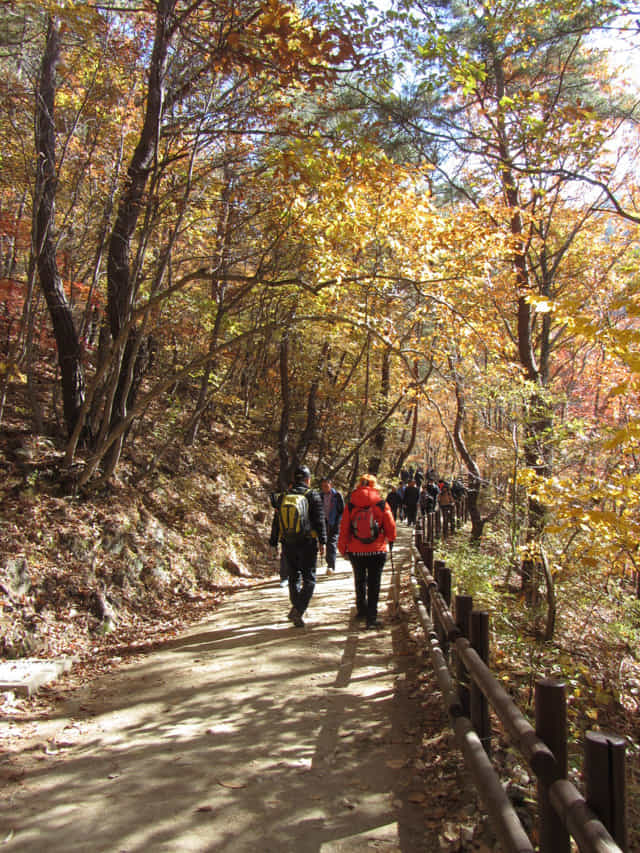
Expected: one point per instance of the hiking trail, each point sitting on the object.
(243, 734)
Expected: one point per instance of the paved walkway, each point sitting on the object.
(245, 734)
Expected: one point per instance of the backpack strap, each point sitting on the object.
(381, 504)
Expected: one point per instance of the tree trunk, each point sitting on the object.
(121, 286)
(551, 598)
(474, 478)
(539, 416)
(310, 430)
(380, 434)
(67, 342)
(404, 454)
(218, 289)
(284, 474)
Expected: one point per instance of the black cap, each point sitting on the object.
(301, 473)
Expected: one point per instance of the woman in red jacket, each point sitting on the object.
(367, 526)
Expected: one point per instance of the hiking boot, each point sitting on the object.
(297, 619)
(374, 626)
(291, 614)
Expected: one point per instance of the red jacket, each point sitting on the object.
(362, 497)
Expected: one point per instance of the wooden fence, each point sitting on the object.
(597, 821)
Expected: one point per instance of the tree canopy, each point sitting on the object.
(383, 235)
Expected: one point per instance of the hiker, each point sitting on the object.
(425, 500)
(446, 505)
(333, 504)
(410, 501)
(395, 501)
(433, 492)
(401, 490)
(274, 498)
(367, 526)
(298, 524)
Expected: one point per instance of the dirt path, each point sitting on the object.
(244, 734)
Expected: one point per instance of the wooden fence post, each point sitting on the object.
(551, 727)
(419, 534)
(605, 786)
(463, 608)
(444, 588)
(430, 540)
(444, 583)
(479, 639)
(438, 565)
(424, 594)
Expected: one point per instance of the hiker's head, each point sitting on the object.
(302, 475)
(325, 484)
(368, 480)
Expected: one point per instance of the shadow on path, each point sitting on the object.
(244, 734)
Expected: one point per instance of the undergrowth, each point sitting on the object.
(594, 650)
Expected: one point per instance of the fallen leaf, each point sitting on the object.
(231, 784)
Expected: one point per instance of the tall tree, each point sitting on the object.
(507, 104)
(44, 239)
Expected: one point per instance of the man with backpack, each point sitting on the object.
(446, 506)
(433, 491)
(394, 499)
(299, 525)
(333, 504)
(366, 528)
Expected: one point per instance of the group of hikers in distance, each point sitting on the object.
(309, 523)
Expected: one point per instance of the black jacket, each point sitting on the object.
(316, 516)
(411, 496)
(394, 500)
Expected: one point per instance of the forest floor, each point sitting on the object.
(245, 733)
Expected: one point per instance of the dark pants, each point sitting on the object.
(332, 546)
(367, 573)
(411, 510)
(284, 566)
(447, 517)
(302, 559)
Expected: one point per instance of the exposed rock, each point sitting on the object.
(155, 576)
(155, 531)
(234, 568)
(17, 576)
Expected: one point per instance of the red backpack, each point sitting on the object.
(364, 525)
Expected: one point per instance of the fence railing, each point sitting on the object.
(445, 520)
(597, 821)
